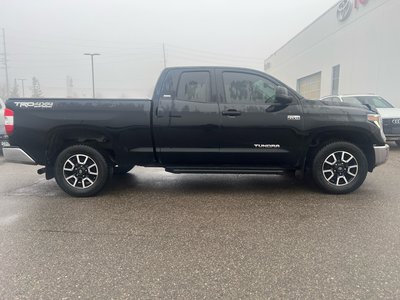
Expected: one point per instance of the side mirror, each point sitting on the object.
(371, 107)
(282, 96)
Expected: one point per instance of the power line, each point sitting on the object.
(146, 48)
(210, 60)
(44, 44)
(67, 39)
(210, 53)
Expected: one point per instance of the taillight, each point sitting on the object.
(9, 121)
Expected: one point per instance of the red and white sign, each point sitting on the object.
(357, 3)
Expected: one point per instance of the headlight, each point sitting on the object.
(376, 119)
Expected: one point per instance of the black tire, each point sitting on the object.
(81, 171)
(123, 169)
(398, 143)
(339, 168)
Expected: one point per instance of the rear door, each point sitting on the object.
(187, 118)
(255, 131)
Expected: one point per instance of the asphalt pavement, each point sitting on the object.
(152, 234)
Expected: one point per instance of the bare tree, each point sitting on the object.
(36, 91)
(3, 92)
(70, 86)
(15, 91)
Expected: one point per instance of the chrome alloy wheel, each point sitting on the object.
(80, 171)
(340, 168)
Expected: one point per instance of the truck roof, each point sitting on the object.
(213, 67)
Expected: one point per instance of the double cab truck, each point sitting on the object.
(199, 120)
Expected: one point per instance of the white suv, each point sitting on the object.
(390, 114)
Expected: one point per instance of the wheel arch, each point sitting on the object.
(361, 138)
(339, 167)
(62, 137)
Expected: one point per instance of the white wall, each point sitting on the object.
(366, 45)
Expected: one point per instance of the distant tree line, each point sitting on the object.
(36, 91)
(15, 91)
(2, 91)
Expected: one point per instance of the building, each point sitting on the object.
(353, 48)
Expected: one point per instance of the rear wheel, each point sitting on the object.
(81, 171)
(398, 143)
(339, 168)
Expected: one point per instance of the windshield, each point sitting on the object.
(374, 101)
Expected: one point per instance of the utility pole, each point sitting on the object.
(22, 84)
(91, 58)
(5, 62)
(165, 57)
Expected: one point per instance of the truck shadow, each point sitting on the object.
(195, 184)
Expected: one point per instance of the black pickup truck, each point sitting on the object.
(200, 120)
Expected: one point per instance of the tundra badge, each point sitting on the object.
(268, 146)
(293, 118)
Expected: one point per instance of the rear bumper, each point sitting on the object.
(381, 154)
(17, 155)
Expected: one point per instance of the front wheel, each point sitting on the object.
(81, 171)
(339, 168)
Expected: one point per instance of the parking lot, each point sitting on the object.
(153, 234)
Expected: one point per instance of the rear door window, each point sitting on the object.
(194, 86)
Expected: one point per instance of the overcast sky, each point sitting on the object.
(47, 39)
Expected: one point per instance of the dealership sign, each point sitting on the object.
(345, 7)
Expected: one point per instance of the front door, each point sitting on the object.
(255, 130)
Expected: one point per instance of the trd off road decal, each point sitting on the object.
(40, 104)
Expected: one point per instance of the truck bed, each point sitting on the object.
(124, 121)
